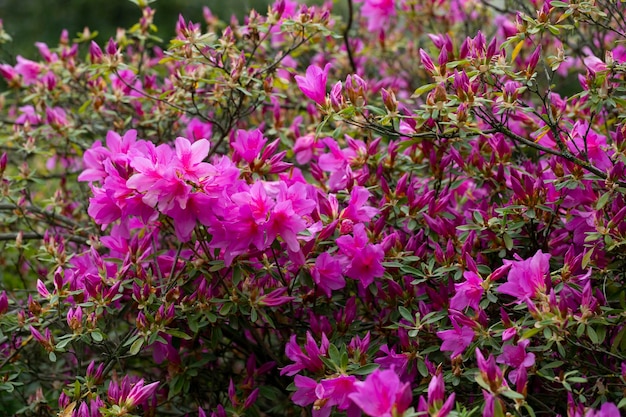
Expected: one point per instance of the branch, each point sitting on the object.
(346, 38)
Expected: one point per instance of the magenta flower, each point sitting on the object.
(140, 393)
(435, 405)
(197, 129)
(29, 70)
(468, 293)
(516, 357)
(313, 85)
(457, 339)
(327, 273)
(490, 373)
(526, 277)
(248, 145)
(378, 13)
(382, 394)
(310, 360)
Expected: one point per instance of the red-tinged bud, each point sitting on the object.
(499, 273)
(95, 53)
(317, 173)
(42, 290)
(75, 319)
(427, 62)
(113, 291)
(372, 147)
(140, 393)
(4, 303)
(617, 219)
(328, 230)
(346, 226)
(389, 100)
(389, 242)
(141, 322)
(464, 49)
(112, 48)
(443, 60)
(336, 96)
(64, 39)
(64, 400)
(50, 81)
(279, 9)
(232, 393)
(270, 150)
(491, 49)
(181, 26)
(251, 398)
(356, 88)
(208, 16)
(532, 61)
(4, 159)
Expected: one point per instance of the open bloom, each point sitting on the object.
(456, 339)
(526, 277)
(516, 357)
(382, 394)
(313, 85)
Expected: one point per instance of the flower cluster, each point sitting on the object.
(402, 214)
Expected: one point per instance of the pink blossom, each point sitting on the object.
(248, 144)
(468, 293)
(197, 129)
(382, 394)
(516, 357)
(526, 277)
(327, 273)
(435, 405)
(457, 339)
(309, 360)
(313, 85)
(378, 13)
(29, 70)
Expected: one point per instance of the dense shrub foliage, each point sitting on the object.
(415, 211)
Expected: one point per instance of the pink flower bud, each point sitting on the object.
(95, 53)
(112, 48)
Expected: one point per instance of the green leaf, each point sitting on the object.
(604, 198)
(593, 336)
(423, 89)
(178, 333)
(406, 314)
(365, 369)
(52, 356)
(96, 336)
(136, 346)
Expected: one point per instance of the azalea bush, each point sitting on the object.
(414, 210)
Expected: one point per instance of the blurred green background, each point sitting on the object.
(29, 21)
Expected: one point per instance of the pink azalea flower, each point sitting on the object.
(313, 85)
(526, 277)
(197, 129)
(457, 339)
(29, 70)
(310, 360)
(516, 357)
(382, 394)
(248, 145)
(327, 273)
(468, 293)
(357, 209)
(367, 264)
(435, 405)
(378, 13)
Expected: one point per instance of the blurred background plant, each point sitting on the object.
(33, 21)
